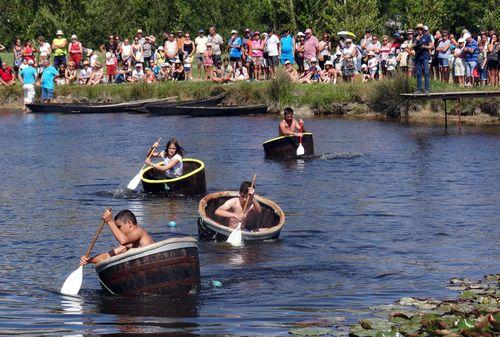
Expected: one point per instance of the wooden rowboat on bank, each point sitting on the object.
(170, 267)
(192, 182)
(285, 147)
(267, 225)
(178, 108)
(74, 108)
(225, 111)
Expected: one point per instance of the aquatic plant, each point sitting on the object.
(280, 88)
(385, 95)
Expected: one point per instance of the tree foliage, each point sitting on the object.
(93, 20)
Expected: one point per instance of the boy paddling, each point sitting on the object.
(233, 208)
(126, 231)
(289, 126)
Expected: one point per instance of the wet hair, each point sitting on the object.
(126, 215)
(244, 187)
(288, 110)
(175, 142)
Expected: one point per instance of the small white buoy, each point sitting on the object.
(216, 284)
(172, 224)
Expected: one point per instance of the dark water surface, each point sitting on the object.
(391, 211)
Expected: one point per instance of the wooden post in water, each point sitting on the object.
(445, 115)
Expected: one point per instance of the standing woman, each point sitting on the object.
(137, 51)
(257, 54)
(299, 51)
(188, 48)
(18, 55)
(443, 53)
(43, 46)
(75, 51)
(324, 48)
(385, 50)
(28, 51)
(126, 53)
(349, 54)
(172, 159)
(492, 63)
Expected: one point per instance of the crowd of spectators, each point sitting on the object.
(466, 60)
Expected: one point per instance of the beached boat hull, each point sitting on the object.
(93, 108)
(267, 225)
(226, 111)
(193, 181)
(178, 108)
(285, 147)
(170, 267)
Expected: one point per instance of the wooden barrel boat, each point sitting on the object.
(170, 267)
(192, 182)
(177, 108)
(285, 147)
(227, 110)
(70, 108)
(266, 225)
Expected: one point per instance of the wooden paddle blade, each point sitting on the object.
(132, 185)
(73, 283)
(300, 150)
(234, 238)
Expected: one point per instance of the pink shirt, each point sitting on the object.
(257, 52)
(310, 47)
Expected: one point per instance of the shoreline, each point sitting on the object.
(378, 100)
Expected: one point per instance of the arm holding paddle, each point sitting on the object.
(163, 168)
(287, 130)
(132, 185)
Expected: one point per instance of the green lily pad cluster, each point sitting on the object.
(475, 313)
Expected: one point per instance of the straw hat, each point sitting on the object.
(97, 64)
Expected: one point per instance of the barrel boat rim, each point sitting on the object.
(166, 181)
(135, 253)
(226, 230)
(283, 137)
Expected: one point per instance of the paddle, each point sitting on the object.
(73, 282)
(300, 149)
(132, 185)
(235, 237)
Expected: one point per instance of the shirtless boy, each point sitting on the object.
(233, 208)
(289, 126)
(127, 233)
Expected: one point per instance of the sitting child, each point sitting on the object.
(172, 159)
(233, 208)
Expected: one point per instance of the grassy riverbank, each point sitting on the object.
(359, 100)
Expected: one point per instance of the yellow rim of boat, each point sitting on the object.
(280, 137)
(165, 181)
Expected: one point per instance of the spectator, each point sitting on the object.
(61, 80)
(180, 41)
(385, 51)
(459, 63)
(28, 51)
(92, 56)
(137, 51)
(481, 63)
(75, 50)
(43, 46)
(215, 40)
(138, 74)
(178, 71)
(165, 72)
(311, 46)
(140, 37)
(329, 75)
(150, 76)
(366, 42)
(160, 56)
(49, 74)
(324, 50)
(188, 50)
(28, 77)
(257, 54)
(110, 46)
(405, 61)
(235, 46)
(273, 45)
(171, 48)
(349, 54)
(126, 53)
(247, 37)
(372, 65)
(7, 77)
(70, 73)
(96, 75)
(287, 47)
(200, 42)
(187, 68)
(84, 74)
(111, 66)
(148, 49)
(493, 57)
(471, 51)
(423, 45)
(443, 53)
(59, 47)
(17, 50)
(299, 51)
(208, 62)
(240, 73)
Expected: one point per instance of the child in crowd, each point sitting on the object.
(111, 66)
(187, 69)
(391, 64)
(84, 75)
(137, 74)
(178, 71)
(70, 73)
(365, 74)
(372, 65)
(208, 62)
(150, 76)
(97, 74)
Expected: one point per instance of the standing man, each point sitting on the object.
(59, 47)
(27, 77)
(423, 45)
(49, 74)
(235, 46)
(200, 42)
(180, 45)
(365, 43)
(273, 46)
(471, 51)
(215, 40)
(287, 47)
(311, 47)
(140, 36)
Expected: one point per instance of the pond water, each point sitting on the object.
(390, 210)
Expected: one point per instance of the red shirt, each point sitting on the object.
(6, 74)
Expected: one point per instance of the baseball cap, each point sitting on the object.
(234, 32)
(59, 32)
(466, 36)
(426, 28)
(201, 31)
(410, 31)
(461, 40)
(139, 31)
(73, 36)
(329, 63)
(301, 34)
(287, 62)
(160, 48)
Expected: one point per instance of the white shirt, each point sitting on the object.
(170, 48)
(272, 45)
(201, 44)
(45, 47)
(175, 171)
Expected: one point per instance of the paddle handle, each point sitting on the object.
(152, 149)
(301, 131)
(246, 201)
(94, 239)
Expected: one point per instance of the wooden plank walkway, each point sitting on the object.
(446, 96)
(453, 95)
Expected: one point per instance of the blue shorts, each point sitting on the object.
(47, 93)
(443, 62)
(287, 56)
(469, 68)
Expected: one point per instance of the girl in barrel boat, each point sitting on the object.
(172, 159)
(289, 126)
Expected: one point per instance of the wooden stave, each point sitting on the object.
(286, 147)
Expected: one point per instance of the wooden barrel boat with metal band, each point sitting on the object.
(285, 147)
(192, 182)
(170, 267)
(266, 225)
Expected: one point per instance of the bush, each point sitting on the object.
(385, 95)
